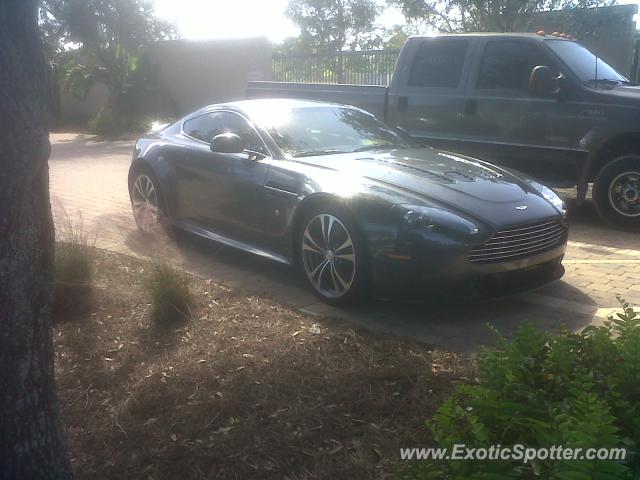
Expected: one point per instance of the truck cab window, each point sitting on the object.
(507, 65)
(439, 63)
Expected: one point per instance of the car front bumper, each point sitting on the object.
(430, 273)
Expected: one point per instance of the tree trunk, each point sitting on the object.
(31, 440)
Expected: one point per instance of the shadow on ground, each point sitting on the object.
(72, 149)
(455, 325)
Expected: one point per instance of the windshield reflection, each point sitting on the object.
(310, 131)
(583, 63)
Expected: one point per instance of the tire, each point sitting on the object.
(338, 273)
(147, 202)
(616, 192)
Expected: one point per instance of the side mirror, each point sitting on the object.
(542, 82)
(227, 143)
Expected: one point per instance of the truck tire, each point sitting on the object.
(616, 192)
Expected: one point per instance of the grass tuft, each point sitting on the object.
(170, 294)
(73, 268)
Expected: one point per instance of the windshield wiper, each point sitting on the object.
(379, 146)
(313, 153)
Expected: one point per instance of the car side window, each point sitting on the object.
(439, 63)
(206, 127)
(507, 65)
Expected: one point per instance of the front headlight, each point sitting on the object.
(435, 219)
(549, 195)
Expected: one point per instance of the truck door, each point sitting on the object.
(427, 93)
(503, 124)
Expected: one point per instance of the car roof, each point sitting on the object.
(252, 105)
(287, 102)
(532, 36)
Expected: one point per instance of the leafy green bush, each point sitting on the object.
(170, 294)
(105, 123)
(540, 390)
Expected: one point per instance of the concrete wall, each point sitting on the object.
(192, 74)
(74, 110)
(609, 32)
(189, 74)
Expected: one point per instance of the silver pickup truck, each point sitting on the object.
(540, 104)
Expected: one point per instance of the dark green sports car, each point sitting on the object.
(359, 206)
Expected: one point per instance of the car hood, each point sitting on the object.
(460, 182)
(628, 95)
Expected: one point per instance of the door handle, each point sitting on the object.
(403, 104)
(470, 107)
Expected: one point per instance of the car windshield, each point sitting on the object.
(583, 63)
(324, 130)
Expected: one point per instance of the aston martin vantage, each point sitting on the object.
(358, 206)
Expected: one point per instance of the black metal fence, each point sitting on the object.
(373, 67)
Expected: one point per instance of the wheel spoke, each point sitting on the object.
(350, 257)
(312, 246)
(332, 220)
(139, 189)
(321, 267)
(323, 231)
(336, 276)
(150, 189)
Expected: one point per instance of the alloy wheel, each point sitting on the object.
(144, 199)
(328, 256)
(624, 194)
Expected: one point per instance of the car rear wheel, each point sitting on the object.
(333, 256)
(146, 201)
(616, 192)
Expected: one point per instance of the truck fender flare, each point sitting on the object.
(593, 142)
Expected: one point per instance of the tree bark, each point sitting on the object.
(31, 440)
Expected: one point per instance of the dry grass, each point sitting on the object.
(73, 269)
(170, 293)
(247, 389)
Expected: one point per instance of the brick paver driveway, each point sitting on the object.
(89, 178)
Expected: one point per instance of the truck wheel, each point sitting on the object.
(616, 192)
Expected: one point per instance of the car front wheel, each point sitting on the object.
(333, 256)
(616, 192)
(146, 201)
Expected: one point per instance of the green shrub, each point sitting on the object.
(170, 294)
(540, 390)
(105, 123)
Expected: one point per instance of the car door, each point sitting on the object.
(504, 124)
(222, 192)
(427, 97)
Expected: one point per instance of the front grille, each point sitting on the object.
(521, 241)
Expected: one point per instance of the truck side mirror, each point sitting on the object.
(227, 143)
(542, 82)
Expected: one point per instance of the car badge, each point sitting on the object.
(521, 207)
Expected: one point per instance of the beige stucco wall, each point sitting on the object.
(196, 73)
(190, 74)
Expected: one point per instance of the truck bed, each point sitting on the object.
(371, 98)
